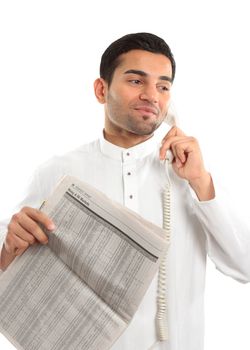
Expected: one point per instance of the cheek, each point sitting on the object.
(124, 95)
(164, 104)
(115, 97)
(115, 104)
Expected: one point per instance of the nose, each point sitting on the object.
(149, 94)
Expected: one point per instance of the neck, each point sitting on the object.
(125, 140)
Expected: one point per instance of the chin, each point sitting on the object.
(145, 131)
(142, 132)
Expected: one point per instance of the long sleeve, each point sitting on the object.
(227, 236)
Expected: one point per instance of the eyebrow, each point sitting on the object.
(144, 74)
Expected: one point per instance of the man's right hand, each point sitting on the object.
(24, 230)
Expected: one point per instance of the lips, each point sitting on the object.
(147, 109)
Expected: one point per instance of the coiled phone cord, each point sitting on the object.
(161, 313)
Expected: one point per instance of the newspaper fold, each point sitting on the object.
(82, 289)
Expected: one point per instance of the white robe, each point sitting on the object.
(136, 178)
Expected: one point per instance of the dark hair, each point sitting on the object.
(137, 41)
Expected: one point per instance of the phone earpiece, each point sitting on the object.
(171, 120)
(171, 117)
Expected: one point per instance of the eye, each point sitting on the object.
(164, 88)
(135, 81)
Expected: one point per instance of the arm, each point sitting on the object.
(227, 235)
(228, 239)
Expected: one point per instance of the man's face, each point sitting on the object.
(138, 97)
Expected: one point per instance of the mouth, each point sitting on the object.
(145, 110)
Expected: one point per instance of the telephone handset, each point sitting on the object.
(171, 120)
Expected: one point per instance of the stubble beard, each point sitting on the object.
(127, 121)
(141, 127)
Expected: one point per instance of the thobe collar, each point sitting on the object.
(122, 154)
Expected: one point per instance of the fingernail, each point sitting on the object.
(51, 227)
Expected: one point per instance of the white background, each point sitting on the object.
(49, 58)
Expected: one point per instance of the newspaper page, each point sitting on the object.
(82, 289)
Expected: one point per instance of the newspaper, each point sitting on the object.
(82, 289)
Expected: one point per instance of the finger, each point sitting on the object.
(16, 229)
(167, 144)
(33, 228)
(173, 134)
(20, 251)
(174, 131)
(14, 245)
(180, 149)
(39, 217)
(186, 146)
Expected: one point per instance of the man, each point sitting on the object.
(136, 76)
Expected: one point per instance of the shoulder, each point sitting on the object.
(61, 162)
(84, 151)
(70, 163)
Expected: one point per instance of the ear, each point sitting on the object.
(100, 88)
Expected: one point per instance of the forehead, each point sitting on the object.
(153, 64)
